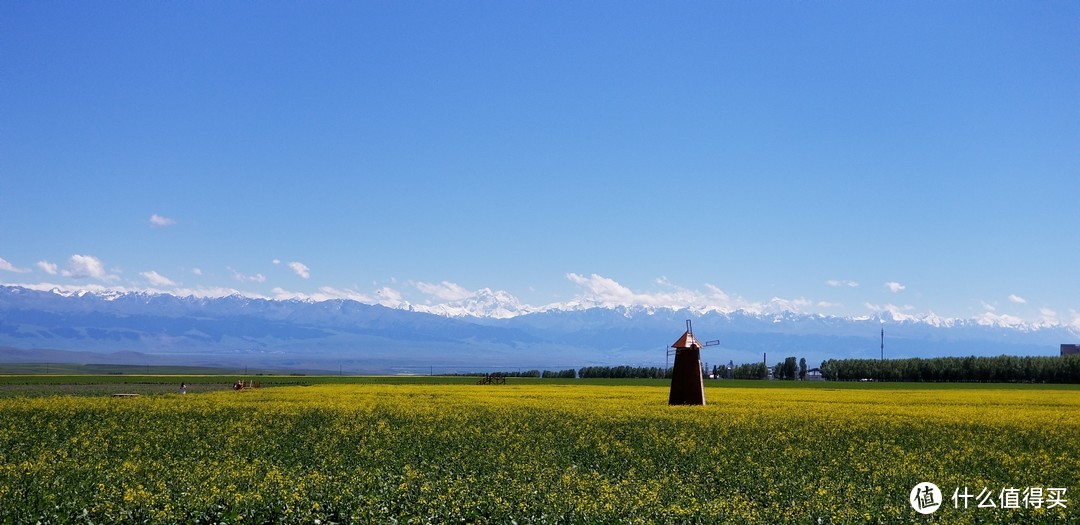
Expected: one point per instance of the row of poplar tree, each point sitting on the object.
(1000, 369)
(789, 368)
(624, 372)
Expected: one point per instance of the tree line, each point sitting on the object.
(515, 373)
(624, 372)
(750, 371)
(1001, 369)
(789, 369)
(588, 372)
(569, 373)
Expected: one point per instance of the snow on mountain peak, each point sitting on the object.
(481, 303)
(485, 303)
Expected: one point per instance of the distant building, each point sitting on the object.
(1070, 350)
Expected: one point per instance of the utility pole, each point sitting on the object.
(883, 340)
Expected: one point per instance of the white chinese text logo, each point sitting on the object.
(925, 498)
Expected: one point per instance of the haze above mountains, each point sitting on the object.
(485, 331)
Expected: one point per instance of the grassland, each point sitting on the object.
(441, 450)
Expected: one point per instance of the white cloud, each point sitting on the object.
(300, 268)
(837, 283)
(598, 290)
(1048, 317)
(196, 271)
(84, 266)
(894, 286)
(257, 278)
(390, 297)
(717, 294)
(156, 279)
(48, 267)
(988, 307)
(160, 221)
(4, 265)
(1017, 299)
(663, 281)
(446, 291)
(790, 305)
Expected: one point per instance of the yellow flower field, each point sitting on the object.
(548, 453)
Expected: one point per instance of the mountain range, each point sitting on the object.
(487, 331)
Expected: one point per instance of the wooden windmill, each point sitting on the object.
(687, 384)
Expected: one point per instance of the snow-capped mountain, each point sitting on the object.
(484, 303)
(486, 329)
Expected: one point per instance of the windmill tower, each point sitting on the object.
(687, 384)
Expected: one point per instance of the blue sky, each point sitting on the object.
(835, 157)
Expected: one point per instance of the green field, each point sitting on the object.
(83, 384)
(441, 450)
